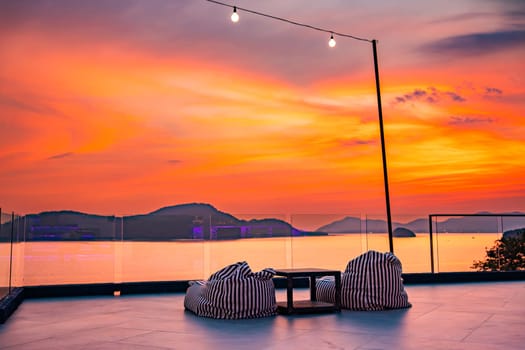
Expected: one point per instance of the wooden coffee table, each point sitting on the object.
(312, 305)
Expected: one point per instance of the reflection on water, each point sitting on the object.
(43, 263)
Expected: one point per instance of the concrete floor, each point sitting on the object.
(446, 316)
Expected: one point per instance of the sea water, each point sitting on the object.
(48, 263)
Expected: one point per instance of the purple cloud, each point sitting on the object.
(455, 96)
(429, 95)
(477, 43)
(462, 120)
(356, 142)
(419, 93)
(61, 155)
(493, 91)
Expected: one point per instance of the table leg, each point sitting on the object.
(338, 291)
(289, 294)
(313, 293)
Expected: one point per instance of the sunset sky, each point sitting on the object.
(125, 106)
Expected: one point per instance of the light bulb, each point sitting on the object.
(331, 42)
(235, 15)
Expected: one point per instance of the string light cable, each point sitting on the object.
(331, 42)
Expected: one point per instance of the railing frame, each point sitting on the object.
(441, 215)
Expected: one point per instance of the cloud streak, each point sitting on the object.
(61, 156)
(492, 91)
(477, 43)
(429, 95)
(357, 142)
(464, 120)
(21, 105)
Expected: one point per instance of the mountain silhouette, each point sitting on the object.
(202, 221)
(461, 224)
(193, 221)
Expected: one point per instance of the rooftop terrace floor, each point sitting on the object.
(489, 315)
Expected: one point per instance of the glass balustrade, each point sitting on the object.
(461, 242)
(11, 254)
(69, 248)
(75, 248)
(5, 252)
(160, 247)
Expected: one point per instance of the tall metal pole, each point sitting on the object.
(383, 150)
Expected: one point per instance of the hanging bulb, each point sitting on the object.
(235, 15)
(331, 42)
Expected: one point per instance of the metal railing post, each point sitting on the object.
(431, 243)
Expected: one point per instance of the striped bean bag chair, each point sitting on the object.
(371, 281)
(233, 292)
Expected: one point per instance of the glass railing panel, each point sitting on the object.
(456, 252)
(262, 240)
(73, 248)
(376, 233)
(411, 241)
(5, 252)
(329, 240)
(161, 247)
(462, 241)
(347, 236)
(511, 223)
(17, 252)
(68, 248)
(10, 250)
(413, 252)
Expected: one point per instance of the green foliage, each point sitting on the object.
(508, 254)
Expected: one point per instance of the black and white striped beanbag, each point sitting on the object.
(371, 281)
(233, 292)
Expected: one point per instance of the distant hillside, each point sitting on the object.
(193, 209)
(356, 225)
(196, 221)
(352, 224)
(201, 221)
(465, 224)
(70, 225)
(517, 233)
